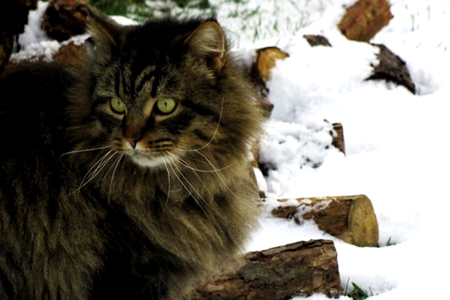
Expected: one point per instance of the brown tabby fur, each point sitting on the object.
(84, 214)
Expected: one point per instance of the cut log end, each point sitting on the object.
(349, 218)
(365, 19)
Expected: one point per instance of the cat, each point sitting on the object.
(127, 177)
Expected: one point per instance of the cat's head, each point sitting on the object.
(164, 92)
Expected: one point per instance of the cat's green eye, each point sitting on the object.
(166, 105)
(117, 105)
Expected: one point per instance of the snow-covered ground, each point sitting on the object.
(397, 149)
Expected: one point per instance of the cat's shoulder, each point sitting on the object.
(35, 73)
(31, 82)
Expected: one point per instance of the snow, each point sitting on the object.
(397, 149)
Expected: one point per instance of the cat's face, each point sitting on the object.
(159, 122)
(161, 101)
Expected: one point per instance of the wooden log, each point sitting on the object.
(266, 59)
(317, 40)
(298, 269)
(69, 54)
(13, 18)
(364, 19)
(349, 218)
(392, 69)
(260, 74)
(338, 139)
(65, 18)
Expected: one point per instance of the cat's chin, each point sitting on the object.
(149, 162)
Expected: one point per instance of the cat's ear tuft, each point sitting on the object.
(105, 35)
(208, 41)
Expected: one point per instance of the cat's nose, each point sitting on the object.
(132, 142)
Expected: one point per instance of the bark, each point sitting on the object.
(69, 54)
(298, 269)
(317, 40)
(260, 74)
(338, 139)
(350, 218)
(365, 19)
(392, 68)
(66, 18)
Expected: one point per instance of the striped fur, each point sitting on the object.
(98, 202)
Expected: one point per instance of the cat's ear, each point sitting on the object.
(208, 42)
(105, 35)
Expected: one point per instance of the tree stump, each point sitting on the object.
(298, 269)
(364, 19)
(349, 218)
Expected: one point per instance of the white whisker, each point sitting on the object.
(84, 150)
(95, 169)
(218, 174)
(116, 164)
(168, 182)
(215, 131)
(200, 205)
(185, 164)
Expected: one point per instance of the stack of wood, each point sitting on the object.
(298, 269)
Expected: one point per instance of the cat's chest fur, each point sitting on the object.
(130, 176)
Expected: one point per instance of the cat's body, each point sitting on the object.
(135, 185)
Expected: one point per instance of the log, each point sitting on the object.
(69, 54)
(13, 18)
(317, 40)
(64, 19)
(363, 20)
(266, 59)
(260, 74)
(349, 218)
(338, 138)
(298, 269)
(392, 69)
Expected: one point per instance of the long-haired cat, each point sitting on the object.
(126, 178)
